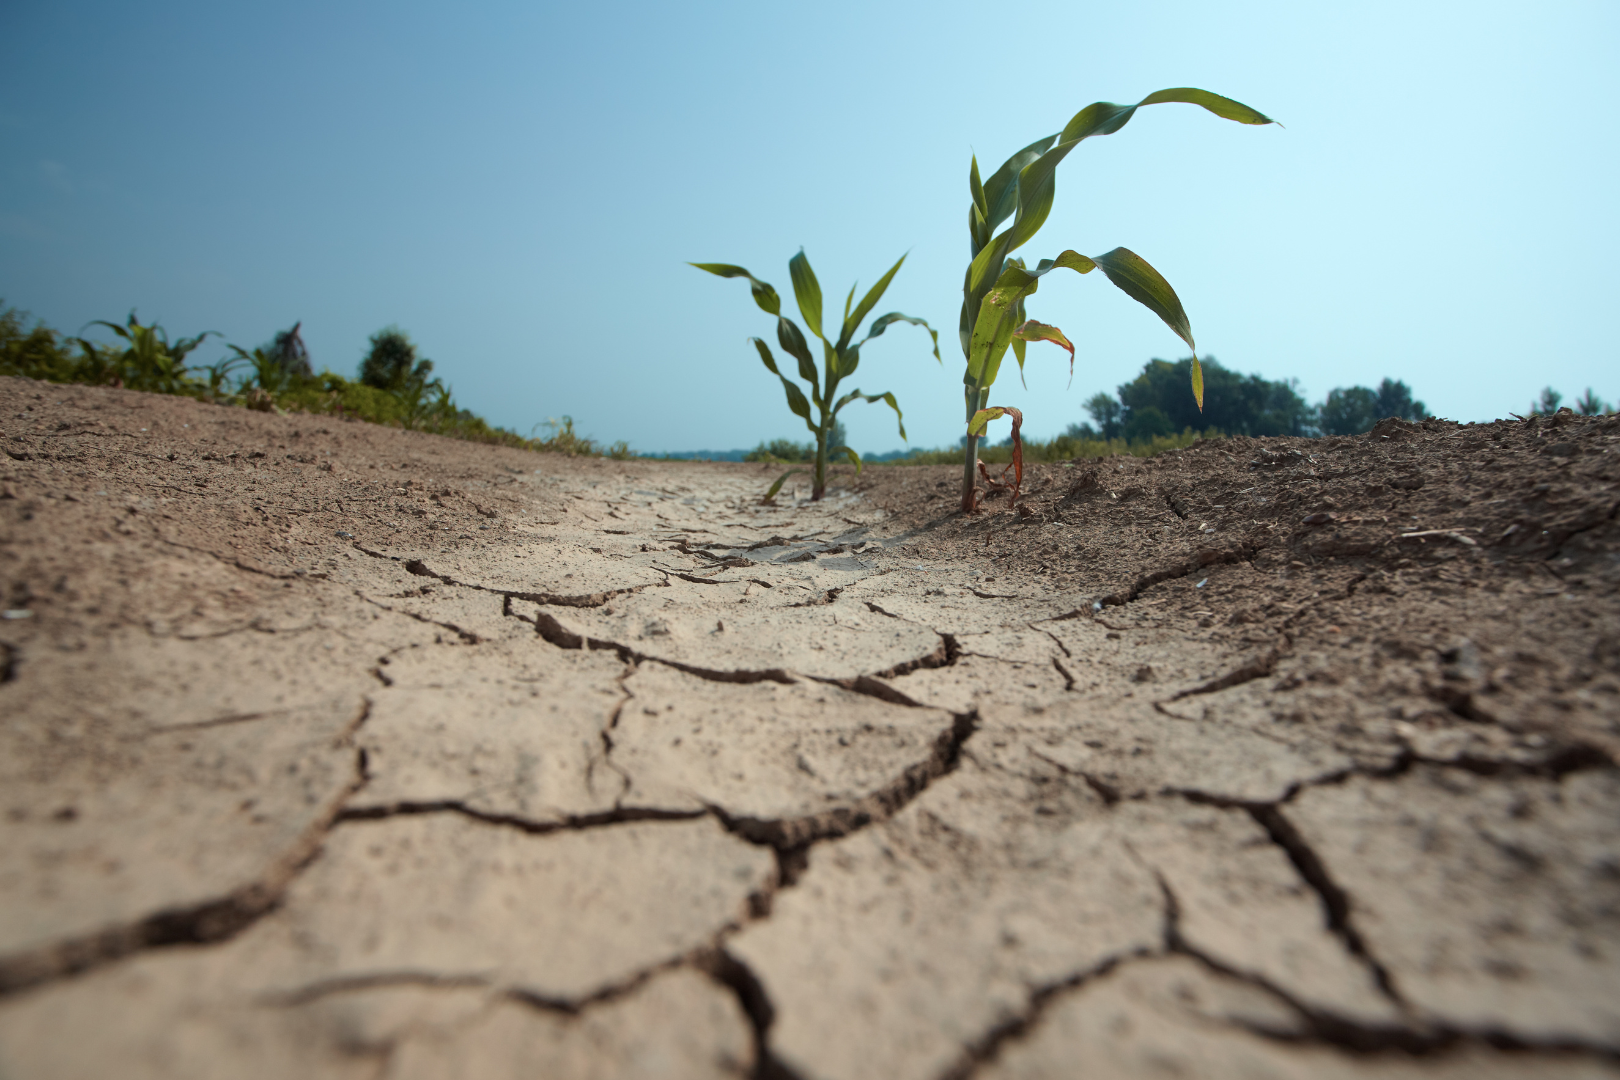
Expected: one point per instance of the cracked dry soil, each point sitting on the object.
(332, 750)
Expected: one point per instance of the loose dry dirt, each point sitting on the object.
(332, 750)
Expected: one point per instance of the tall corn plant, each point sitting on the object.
(840, 357)
(996, 286)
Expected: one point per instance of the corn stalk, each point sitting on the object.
(996, 285)
(840, 356)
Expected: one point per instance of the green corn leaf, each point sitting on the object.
(847, 366)
(791, 338)
(1019, 345)
(849, 300)
(1132, 274)
(976, 189)
(873, 399)
(989, 259)
(764, 354)
(115, 328)
(868, 302)
(1035, 188)
(899, 418)
(1031, 330)
(1003, 309)
(883, 322)
(780, 480)
(1223, 107)
(1001, 190)
(1198, 382)
(1105, 118)
(976, 425)
(991, 336)
(764, 295)
(797, 402)
(807, 291)
(853, 456)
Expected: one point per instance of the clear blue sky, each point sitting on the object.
(519, 186)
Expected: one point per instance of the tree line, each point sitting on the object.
(1156, 404)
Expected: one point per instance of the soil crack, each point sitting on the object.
(207, 922)
(1335, 900)
(790, 836)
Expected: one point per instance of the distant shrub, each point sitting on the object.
(782, 450)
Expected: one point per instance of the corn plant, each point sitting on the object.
(996, 286)
(840, 357)
(217, 372)
(150, 361)
(269, 373)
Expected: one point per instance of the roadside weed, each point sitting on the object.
(839, 358)
(150, 361)
(996, 286)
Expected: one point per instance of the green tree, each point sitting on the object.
(1349, 411)
(1589, 404)
(35, 352)
(1236, 404)
(1147, 423)
(1355, 409)
(1108, 413)
(288, 350)
(1548, 403)
(1394, 398)
(392, 363)
(782, 450)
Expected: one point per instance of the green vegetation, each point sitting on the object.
(1073, 445)
(1152, 405)
(996, 286)
(786, 450)
(276, 377)
(1588, 404)
(1355, 410)
(839, 359)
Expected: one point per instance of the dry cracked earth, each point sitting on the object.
(338, 751)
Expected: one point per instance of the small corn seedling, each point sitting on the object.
(997, 286)
(839, 357)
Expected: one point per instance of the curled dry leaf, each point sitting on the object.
(976, 426)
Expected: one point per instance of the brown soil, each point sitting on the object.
(328, 749)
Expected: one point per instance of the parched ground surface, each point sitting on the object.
(331, 750)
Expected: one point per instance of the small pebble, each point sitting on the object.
(17, 613)
(345, 535)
